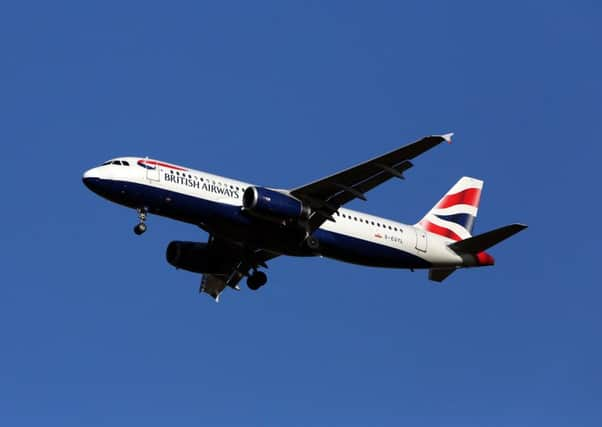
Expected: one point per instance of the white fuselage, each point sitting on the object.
(133, 184)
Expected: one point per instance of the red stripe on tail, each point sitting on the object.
(470, 196)
(442, 231)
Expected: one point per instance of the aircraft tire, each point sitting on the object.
(312, 243)
(140, 228)
(257, 280)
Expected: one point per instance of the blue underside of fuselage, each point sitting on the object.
(231, 222)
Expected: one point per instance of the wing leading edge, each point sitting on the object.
(328, 194)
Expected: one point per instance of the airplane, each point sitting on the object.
(249, 225)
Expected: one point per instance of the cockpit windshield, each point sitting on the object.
(116, 162)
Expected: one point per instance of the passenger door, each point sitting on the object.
(421, 240)
(152, 170)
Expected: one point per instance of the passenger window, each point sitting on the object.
(125, 163)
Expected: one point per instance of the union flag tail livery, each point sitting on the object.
(249, 225)
(454, 215)
(453, 218)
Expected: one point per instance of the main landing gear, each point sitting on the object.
(312, 243)
(141, 226)
(256, 280)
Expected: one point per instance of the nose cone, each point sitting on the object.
(89, 173)
(91, 179)
(483, 258)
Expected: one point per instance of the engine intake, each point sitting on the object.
(272, 204)
(195, 257)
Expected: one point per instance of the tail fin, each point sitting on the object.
(454, 215)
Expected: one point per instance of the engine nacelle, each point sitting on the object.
(271, 204)
(195, 257)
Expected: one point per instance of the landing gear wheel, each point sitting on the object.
(312, 243)
(140, 228)
(257, 280)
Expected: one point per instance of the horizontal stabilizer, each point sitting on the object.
(440, 274)
(476, 244)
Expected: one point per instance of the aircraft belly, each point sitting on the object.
(223, 219)
(359, 251)
(230, 222)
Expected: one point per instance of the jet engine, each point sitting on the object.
(195, 257)
(273, 205)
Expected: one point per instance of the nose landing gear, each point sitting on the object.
(141, 226)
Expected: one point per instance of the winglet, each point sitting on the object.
(447, 137)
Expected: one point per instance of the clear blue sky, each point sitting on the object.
(97, 329)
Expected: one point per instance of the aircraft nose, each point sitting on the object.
(91, 178)
(88, 173)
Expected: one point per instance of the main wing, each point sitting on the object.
(238, 261)
(327, 195)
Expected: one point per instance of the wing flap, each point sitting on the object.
(213, 285)
(239, 260)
